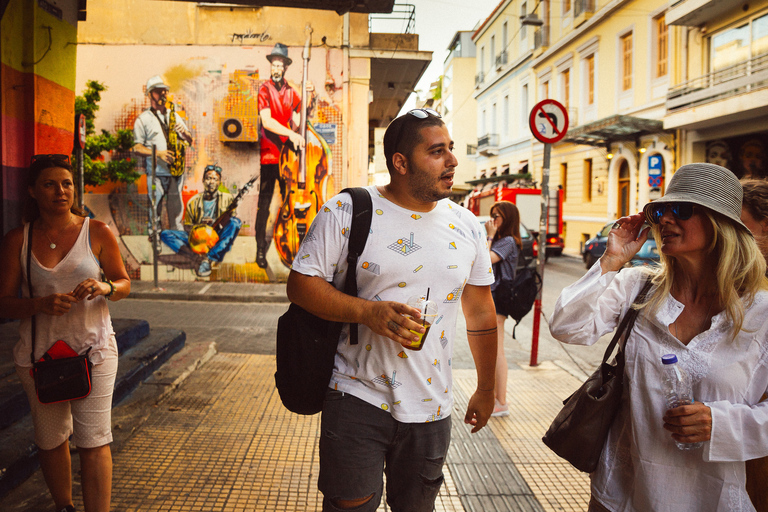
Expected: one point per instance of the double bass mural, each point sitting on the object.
(265, 128)
(305, 172)
(294, 155)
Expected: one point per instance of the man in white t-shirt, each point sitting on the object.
(387, 407)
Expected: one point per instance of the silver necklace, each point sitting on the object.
(53, 244)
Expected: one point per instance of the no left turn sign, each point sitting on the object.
(548, 121)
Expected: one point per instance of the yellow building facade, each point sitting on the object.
(609, 64)
(718, 97)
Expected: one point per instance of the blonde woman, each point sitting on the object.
(708, 306)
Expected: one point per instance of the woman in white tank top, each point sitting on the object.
(69, 255)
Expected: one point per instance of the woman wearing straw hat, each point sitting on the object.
(708, 305)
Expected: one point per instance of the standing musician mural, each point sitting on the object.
(293, 153)
(161, 126)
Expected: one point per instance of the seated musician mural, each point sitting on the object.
(210, 224)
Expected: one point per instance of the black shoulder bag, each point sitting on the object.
(579, 431)
(57, 379)
(306, 344)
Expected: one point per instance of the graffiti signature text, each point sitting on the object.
(261, 36)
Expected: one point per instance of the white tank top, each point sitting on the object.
(86, 324)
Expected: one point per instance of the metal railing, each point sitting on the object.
(479, 79)
(388, 23)
(501, 59)
(541, 37)
(471, 149)
(740, 78)
(488, 142)
(582, 6)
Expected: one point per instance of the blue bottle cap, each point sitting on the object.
(669, 359)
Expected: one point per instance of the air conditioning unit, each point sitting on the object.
(237, 114)
(239, 129)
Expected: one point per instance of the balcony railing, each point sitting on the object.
(488, 144)
(724, 83)
(501, 59)
(471, 149)
(582, 7)
(402, 15)
(541, 37)
(479, 79)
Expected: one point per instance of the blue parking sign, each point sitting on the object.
(655, 165)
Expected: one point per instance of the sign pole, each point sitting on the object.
(153, 217)
(542, 253)
(549, 124)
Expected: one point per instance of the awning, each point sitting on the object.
(340, 6)
(500, 177)
(611, 129)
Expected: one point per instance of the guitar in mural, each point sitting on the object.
(307, 177)
(203, 237)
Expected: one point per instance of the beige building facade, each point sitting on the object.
(718, 96)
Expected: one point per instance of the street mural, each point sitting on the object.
(244, 159)
(745, 156)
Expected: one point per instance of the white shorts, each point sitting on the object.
(90, 419)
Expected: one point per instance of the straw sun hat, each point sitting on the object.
(708, 185)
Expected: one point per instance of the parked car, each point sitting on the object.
(529, 251)
(595, 247)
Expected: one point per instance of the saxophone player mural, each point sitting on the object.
(160, 126)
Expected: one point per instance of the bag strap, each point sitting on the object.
(29, 285)
(626, 324)
(362, 213)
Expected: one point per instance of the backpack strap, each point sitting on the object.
(362, 213)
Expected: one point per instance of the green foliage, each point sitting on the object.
(96, 170)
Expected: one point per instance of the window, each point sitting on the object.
(565, 76)
(482, 60)
(739, 44)
(524, 105)
(626, 62)
(483, 131)
(493, 119)
(662, 46)
(566, 6)
(504, 37)
(505, 126)
(587, 181)
(524, 28)
(544, 89)
(493, 51)
(564, 179)
(590, 70)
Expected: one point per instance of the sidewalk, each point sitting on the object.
(223, 442)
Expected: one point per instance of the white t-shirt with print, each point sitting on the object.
(407, 254)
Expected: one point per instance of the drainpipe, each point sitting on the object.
(345, 105)
(685, 55)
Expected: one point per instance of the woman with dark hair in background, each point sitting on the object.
(69, 255)
(504, 245)
(754, 214)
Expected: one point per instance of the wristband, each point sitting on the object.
(111, 288)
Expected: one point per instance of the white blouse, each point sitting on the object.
(640, 468)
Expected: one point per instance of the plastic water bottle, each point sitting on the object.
(677, 391)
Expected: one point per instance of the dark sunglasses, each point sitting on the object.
(418, 113)
(423, 113)
(681, 211)
(51, 157)
(496, 216)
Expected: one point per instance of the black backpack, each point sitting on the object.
(518, 295)
(306, 344)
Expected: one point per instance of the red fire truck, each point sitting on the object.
(528, 201)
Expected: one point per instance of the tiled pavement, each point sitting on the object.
(223, 442)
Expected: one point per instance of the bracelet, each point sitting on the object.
(111, 288)
(489, 238)
(481, 389)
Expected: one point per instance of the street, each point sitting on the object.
(250, 328)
